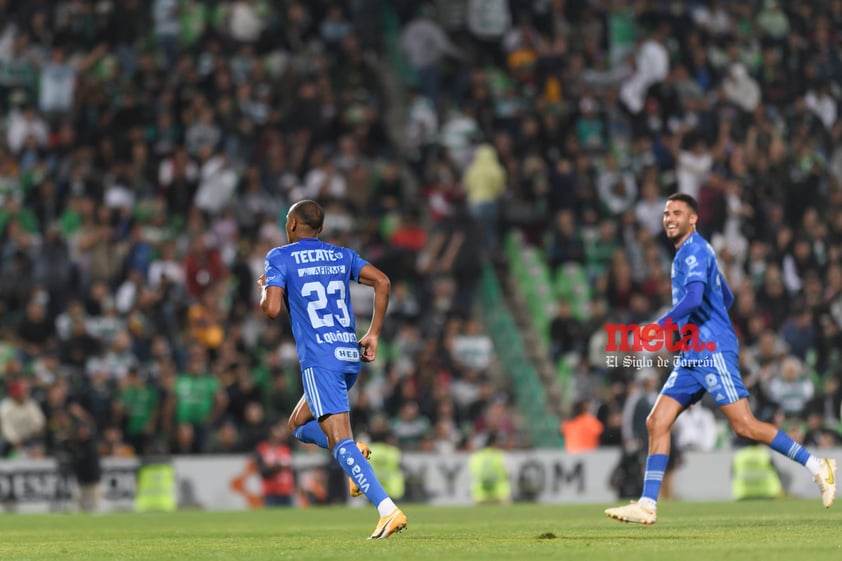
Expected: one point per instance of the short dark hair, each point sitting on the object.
(687, 199)
(309, 213)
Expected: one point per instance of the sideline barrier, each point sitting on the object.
(546, 476)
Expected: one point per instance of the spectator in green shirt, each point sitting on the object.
(137, 407)
(197, 398)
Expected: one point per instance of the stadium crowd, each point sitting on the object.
(596, 111)
(150, 151)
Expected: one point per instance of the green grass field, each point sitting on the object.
(769, 531)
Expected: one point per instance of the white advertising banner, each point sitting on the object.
(231, 482)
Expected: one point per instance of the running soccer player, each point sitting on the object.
(310, 278)
(701, 297)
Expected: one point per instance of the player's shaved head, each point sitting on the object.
(309, 213)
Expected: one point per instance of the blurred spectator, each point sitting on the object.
(472, 348)
(791, 389)
(797, 332)
(564, 242)
(425, 45)
(583, 430)
(85, 461)
(485, 181)
(196, 402)
(274, 464)
(740, 88)
(23, 125)
(224, 440)
(410, 426)
(695, 429)
(203, 267)
(490, 475)
(567, 334)
(112, 445)
(637, 406)
(254, 428)
(21, 420)
(651, 66)
(137, 410)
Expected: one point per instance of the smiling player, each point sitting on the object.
(701, 296)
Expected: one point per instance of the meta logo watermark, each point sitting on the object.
(653, 338)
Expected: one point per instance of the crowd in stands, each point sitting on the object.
(150, 151)
(596, 111)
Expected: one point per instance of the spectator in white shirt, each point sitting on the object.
(713, 17)
(244, 22)
(649, 210)
(57, 86)
(24, 124)
(694, 165)
(324, 181)
(168, 267)
(426, 45)
(821, 103)
(695, 429)
(21, 418)
(217, 182)
(617, 188)
(652, 65)
(740, 88)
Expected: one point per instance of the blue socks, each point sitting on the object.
(357, 467)
(656, 464)
(311, 433)
(789, 448)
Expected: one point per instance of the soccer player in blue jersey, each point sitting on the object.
(701, 297)
(311, 278)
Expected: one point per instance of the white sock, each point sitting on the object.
(386, 507)
(814, 464)
(648, 503)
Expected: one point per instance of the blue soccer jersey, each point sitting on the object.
(315, 277)
(695, 261)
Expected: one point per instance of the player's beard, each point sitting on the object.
(681, 232)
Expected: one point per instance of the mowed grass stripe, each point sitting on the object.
(766, 531)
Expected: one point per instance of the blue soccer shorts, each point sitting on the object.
(717, 374)
(326, 391)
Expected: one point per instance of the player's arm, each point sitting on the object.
(692, 300)
(272, 283)
(690, 271)
(271, 298)
(374, 277)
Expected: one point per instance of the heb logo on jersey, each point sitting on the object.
(348, 354)
(651, 337)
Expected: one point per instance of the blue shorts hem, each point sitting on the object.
(717, 374)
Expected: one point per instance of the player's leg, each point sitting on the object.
(746, 425)
(354, 489)
(304, 427)
(680, 390)
(736, 409)
(658, 425)
(337, 427)
(328, 400)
